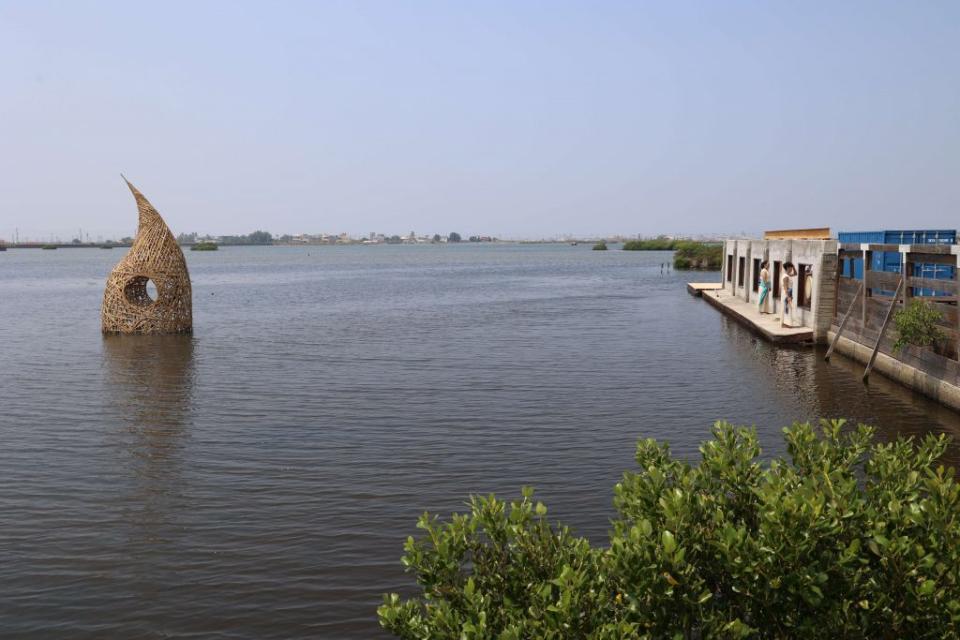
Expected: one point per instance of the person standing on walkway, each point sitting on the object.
(788, 273)
(764, 287)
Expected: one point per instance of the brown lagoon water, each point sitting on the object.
(257, 479)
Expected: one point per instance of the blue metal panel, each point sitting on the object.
(875, 237)
(890, 260)
(920, 236)
(936, 272)
(900, 236)
(852, 268)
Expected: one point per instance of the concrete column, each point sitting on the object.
(748, 274)
(733, 269)
(723, 265)
(825, 300)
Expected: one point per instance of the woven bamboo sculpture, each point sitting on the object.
(154, 256)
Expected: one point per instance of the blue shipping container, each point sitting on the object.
(890, 260)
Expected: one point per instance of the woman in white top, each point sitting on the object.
(789, 272)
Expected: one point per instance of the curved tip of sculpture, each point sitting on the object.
(148, 214)
(136, 192)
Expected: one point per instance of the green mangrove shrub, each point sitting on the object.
(917, 324)
(660, 243)
(501, 571)
(600, 246)
(845, 538)
(697, 255)
(688, 254)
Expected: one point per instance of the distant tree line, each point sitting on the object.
(660, 243)
(266, 238)
(257, 237)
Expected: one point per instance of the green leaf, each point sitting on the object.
(668, 541)
(646, 527)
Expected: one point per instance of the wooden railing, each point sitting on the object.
(868, 309)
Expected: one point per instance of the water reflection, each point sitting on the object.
(796, 383)
(891, 408)
(149, 383)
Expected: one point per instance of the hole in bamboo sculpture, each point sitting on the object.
(149, 290)
(140, 291)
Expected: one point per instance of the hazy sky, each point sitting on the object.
(520, 119)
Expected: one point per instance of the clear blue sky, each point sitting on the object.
(522, 119)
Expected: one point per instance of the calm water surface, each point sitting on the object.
(258, 479)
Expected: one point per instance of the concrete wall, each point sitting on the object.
(821, 255)
(729, 249)
(743, 253)
(738, 249)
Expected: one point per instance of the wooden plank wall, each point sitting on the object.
(867, 318)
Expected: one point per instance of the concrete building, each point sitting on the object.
(813, 285)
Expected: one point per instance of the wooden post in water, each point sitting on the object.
(843, 322)
(883, 329)
(906, 272)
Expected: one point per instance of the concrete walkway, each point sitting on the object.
(767, 325)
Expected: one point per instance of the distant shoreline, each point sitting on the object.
(117, 245)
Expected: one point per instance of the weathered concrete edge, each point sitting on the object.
(911, 377)
(799, 338)
(696, 289)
